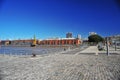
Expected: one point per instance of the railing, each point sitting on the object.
(28, 51)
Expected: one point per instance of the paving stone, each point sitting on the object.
(61, 67)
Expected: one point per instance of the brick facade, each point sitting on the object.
(66, 41)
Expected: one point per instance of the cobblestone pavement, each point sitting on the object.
(61, 67)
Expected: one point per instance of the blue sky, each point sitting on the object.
(54, 18)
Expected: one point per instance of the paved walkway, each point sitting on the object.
(61, 66)
(94, 50)
(91, 49)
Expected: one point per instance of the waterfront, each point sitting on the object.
(9, 50)
(68, 65)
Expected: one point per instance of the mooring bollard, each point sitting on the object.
(33, 55)
(64, 49)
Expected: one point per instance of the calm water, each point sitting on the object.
(27, 50)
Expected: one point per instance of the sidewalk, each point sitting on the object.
(91, 49)
(94, 49)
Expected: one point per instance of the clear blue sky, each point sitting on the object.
(54, 18)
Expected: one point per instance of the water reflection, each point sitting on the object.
(27, 50)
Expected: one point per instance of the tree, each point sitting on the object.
(95, 38)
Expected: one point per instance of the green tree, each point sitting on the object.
(95, 38)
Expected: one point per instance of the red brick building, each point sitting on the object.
(59, 41)
(62, 41)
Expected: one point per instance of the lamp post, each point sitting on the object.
(107, 46)
(115, 46)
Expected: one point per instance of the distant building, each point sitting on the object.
(69, 35)
(61, 41)
(69, 40)
(78, 36)
(53, 41)
(21, 42)
(18, 42)
(92, 33)
(114, 39)
(5, 42)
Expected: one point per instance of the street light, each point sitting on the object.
(115, 45)
(107, 46)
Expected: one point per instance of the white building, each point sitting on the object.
(79, 36)
(114, 39)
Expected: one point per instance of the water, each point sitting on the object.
(27, 50)
(15, 51)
